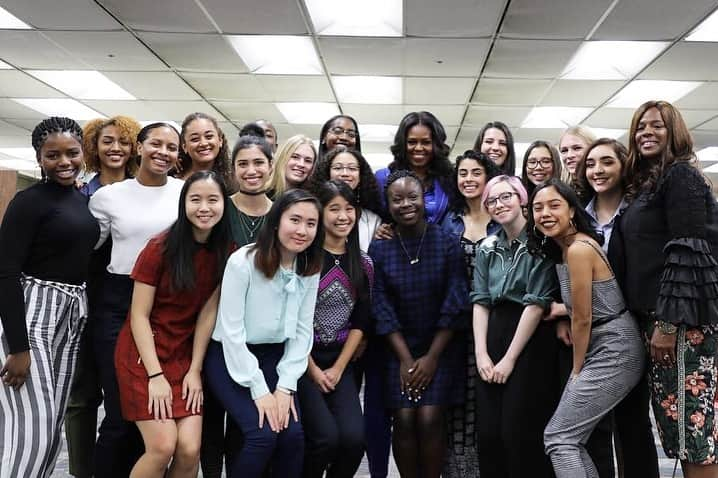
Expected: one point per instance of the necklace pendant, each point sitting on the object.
(336, 262)
(414, 261)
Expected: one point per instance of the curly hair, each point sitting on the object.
(440, 166)
(221, 162)
(127, 128)
(457, 201)
(366, 193)
(580, 183)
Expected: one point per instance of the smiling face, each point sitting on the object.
(299, 166)
(60, 157)
(204, 206)
(113, 150)
(405, 201)
(552, 214)
(471, 178)
(341, 132)
(338, 217)
(603, 169)
(651, 134)
(539, 165)
(495, 146)
(571, 149)
(419, 147)
(202, 141)
(345, 167)
(251, 169)
(503, 203)
(159, 150)
(297, 228)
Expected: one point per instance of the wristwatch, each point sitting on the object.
(666, 328)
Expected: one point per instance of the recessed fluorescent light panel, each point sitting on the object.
(709, 154)
(382, 90)
(364, 18)
(82, 84)
(59, 107)
(277, 54)
(27, 154)
(707, 30)
(307, 113)
(11, 22)
(611, 60)
(545, 117)
(5, 66)
(173, 123)
(377, 133)
(378, 160)
(639, 91)
(608, 132)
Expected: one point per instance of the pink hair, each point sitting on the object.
(513, 181)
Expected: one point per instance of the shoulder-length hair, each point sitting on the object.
(326, 192)
(278, 181)
(366, 194)
(644, 174)
(458, 201)
(513, 181)
(325, 130)
(540, 245)
(221, 162)
(127, 128)
(580, 183)
(180, 245)
(439, 166)
(268, 254)
(509, 166)
(555, 159)
(580, 131)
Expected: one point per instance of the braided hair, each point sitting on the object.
(54, 124)
(398, 174)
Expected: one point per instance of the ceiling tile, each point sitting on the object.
(558, 19)
(530, 58)
(153, 85)
(580, 92)
(445, 57)
(685, 61)
(358, 56)
(31, 49)
(16, 84)
(152, 110)
(227, 86)
(10, 109)
(195, 52)
(437, 90)
(64, 15)
(647, 19)
(703, 139)
(511, 115)
(711, 124)
(374, 114)
(268, 17)
(703, 97)
(242, 113)
(529, 135)
(107, 50)
(158, 16)
(504, 91)
(296, 88)
(621, 117)
(9, 129)
(371, 148)
(465, 18)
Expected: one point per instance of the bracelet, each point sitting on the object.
(285, 390)
(150, 377)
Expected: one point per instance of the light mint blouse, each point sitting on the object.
(257, 310)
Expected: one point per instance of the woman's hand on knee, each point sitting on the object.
(160, 402)
(285, 406)
(192, 391)
(267, 408)
(16, 369)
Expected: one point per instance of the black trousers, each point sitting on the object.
(511, 417)
(333, 423)
(600, 444)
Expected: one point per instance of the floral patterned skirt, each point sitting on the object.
(684, 395)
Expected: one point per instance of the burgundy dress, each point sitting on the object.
(173, 318)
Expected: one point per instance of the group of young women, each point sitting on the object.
(237, 301)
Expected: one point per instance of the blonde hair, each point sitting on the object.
(277, 183)
(583, 132)
(128, 129)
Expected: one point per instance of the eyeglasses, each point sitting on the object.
(338, 168)
(338, 131)
(545, 163)
(503, 197)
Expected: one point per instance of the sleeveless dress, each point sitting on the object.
(612, 367)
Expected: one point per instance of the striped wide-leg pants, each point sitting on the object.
(31, 417)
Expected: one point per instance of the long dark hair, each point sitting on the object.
(180, 246)
(325, 129)
(439, 167)
(555, 160)
(540, 245)
(268, 256)
(221, 162)
(509, 166)
(580, 183)
(458, 201)
(325, 193)
(367, 192)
